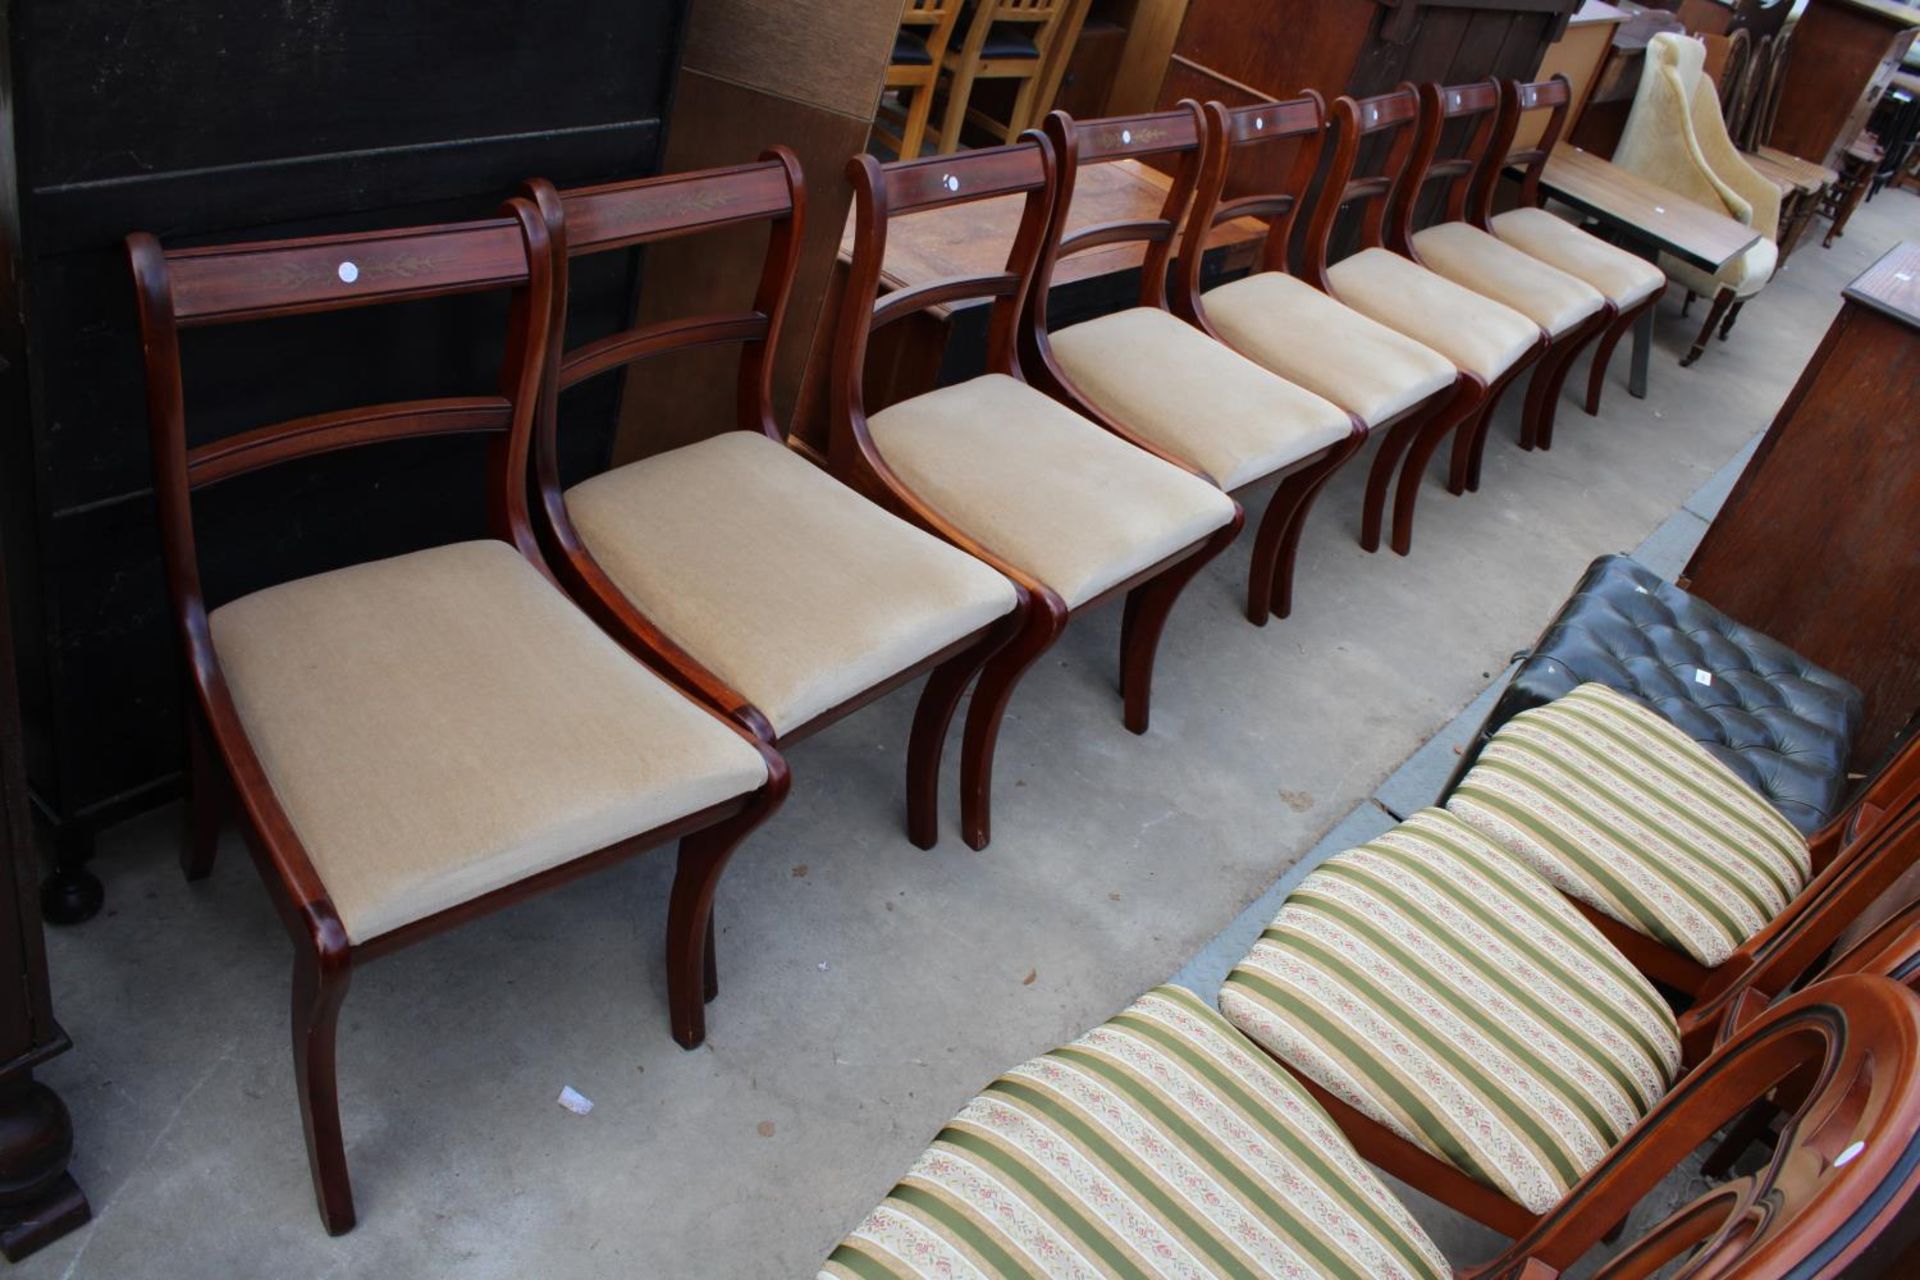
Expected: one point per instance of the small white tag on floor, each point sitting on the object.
(574, 1101)
(1703, 677)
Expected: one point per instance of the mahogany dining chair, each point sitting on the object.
(412, 743)
(1148, 376)
(779, 595)
(1073, 514)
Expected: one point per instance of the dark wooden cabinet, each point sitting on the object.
(198, 120)
(1818, 544)
(1845, 54)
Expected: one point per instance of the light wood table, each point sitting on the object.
(1647, 219)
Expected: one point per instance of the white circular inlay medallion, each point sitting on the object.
(349, 272)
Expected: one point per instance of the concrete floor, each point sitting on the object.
(868, 988)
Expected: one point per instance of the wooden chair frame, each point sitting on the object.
(1847, 1164)
(1179, 133)
(939, 17)
(1039, 75)
(228, 284)
(1865, 852)
(1555, 96)
(1467, 181)
(621, 215)
(1387, 199)
(1232, 133)
(882, 193)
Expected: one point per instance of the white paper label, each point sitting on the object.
(1703, 677)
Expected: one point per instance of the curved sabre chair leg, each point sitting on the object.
(946, 685)
(1044, 620)
(1148, 606)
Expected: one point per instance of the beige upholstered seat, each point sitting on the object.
(1198, 399)
(1494, 269)
(1159, 1144)
(1479, 335)
(446, 723)
(1450, 994)
(1068, 502)
(1285, 324)
(788, 585)
(1624, 278)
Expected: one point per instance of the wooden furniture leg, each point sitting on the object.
(692, 973)
(206, 800)
(1295, 497)
(1550, 379)
(1603, 353)
(1147, 609)
(1471, 398)
(946, 685)
(1721, 301)
(320, 976)
(1045, 618)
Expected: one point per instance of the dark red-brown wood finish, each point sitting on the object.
(1856, 858)
(618, 216)
(1465, 193)
(1239, 133)
(247, 282)
(1178, 135)
(1554, 96)
(885, 192)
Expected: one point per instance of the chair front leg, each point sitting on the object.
(1045, 618)
(692, 972)
(1470, 446)
(1550, 378)
(319, 985)
(1470, 398)
(946, 685)
(1603, 354)
(1145, 617)
(1721, 301)
(1277, 545)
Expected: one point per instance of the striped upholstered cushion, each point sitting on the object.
(1160, 1144)
(1452, 995)
(1626, 813)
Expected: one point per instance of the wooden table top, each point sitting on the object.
(1804, 174)
(1644, 210)
(973, 239)
(1891, 286)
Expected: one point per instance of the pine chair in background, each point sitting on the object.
(1025, 41)
(1294, 326)
(919, 50)
(1073, 514)
(415, 742)
(1631, 285)
(785, 598)
(1148, 376)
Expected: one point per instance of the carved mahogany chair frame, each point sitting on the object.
(885, 192)
(1387, 199)
(619, 216)
(1466, 181)
(1554, 96)
(1177, 133)
(1843, 1058)
(1882, 843)
(238, 283)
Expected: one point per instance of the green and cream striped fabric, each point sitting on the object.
(1160, 1144)
(1621, 810)
(1447, 992)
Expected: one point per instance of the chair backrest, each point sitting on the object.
(1393, 118)
(1472, 112)
(622, 215)
(1846, 1164)
(1554, 96)
(1234, 134)
(939, 17)
(1177, 133)
(239, 283)
(905, 187)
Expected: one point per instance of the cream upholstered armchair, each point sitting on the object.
(1677, 138)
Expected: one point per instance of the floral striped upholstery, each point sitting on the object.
(1159, 1144)
(1604, 797)
(1453, 996)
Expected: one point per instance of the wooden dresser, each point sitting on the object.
(1818, 545)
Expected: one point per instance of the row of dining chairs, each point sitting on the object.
(621, 662)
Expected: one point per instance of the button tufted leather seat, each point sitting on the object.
(1783, 724)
